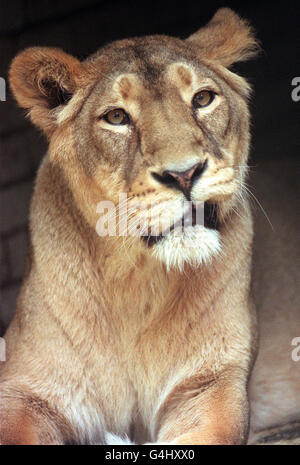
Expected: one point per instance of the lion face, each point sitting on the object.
(156, 121)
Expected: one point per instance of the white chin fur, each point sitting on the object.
(195, 245)
(114, 440)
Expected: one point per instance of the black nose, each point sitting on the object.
(182, 180)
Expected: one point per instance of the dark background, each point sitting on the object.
(80, 27)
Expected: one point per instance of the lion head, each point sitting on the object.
(158, 121)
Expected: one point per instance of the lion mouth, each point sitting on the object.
(210, 222)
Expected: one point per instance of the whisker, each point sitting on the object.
(247, 189)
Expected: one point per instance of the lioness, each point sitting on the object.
(148, 336)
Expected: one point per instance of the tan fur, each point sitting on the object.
(105, 334)
(232, 42)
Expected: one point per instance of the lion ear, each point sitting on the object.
(226, 39)
(43, 80)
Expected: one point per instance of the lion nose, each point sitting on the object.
(182, 180)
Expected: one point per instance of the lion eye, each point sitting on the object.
(203, 98)
(117, 116)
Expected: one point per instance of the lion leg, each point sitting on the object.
(25, 419)
(218, 414)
